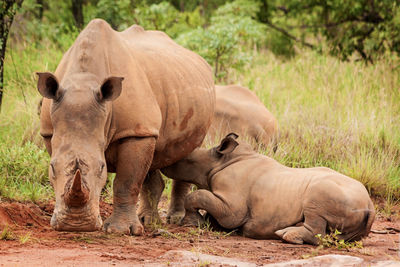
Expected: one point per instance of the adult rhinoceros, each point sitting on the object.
(127, 102)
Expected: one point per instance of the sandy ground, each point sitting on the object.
(32, 242)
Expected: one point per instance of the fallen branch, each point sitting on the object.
(393, 229)
(384, 232)
(286, 33)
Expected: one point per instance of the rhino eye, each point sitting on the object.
(53, 169)
(102, 165)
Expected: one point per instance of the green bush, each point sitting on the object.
(227, 42)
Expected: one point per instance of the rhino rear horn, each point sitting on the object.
(77, 195)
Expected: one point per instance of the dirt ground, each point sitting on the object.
(28, 240)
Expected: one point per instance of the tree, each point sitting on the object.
(77, 12)
(8, 9)
(366, 27)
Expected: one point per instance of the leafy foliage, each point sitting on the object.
(224, 44)
(368, 27)
(333, 240)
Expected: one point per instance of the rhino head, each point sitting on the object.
(80, 112)
(202, 163)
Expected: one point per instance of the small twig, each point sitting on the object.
(384, 232)
(393, 229)
(394, 249)
(379, 231)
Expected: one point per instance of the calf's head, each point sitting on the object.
(198, 166)
(80, 112)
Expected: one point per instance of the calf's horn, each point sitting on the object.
(77, 195)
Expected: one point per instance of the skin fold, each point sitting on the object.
(127, 102)
(240, 188)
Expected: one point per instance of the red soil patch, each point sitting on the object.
(48, 247)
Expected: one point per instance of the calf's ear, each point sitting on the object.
(110, 89)
(233, 135)
(48, 85)
(228, 144)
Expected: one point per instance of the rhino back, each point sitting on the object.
(239, 110)
(168, 91)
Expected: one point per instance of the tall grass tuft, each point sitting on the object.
(23, 159)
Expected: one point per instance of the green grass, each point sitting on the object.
(343, 115)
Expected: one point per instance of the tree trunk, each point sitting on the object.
(78, 13)
(7, 12)
(40, 9)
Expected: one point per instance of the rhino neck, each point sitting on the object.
(226, 164)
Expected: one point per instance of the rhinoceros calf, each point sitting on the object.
(240, 188)
(128, 102)
(239, 110)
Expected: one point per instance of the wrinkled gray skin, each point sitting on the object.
(242, 189)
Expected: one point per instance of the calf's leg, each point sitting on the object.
(134, 159)
(227, 216)
(313, 224)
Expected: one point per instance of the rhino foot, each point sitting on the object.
(297, 235)
(192, 219)
(174, 217)
(149, 217)
(119, 224)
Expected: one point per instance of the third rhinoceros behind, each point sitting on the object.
(239, 110)
(243, 189)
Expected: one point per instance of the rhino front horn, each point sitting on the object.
(77, 195)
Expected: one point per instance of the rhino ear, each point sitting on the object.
(228, 144)
(233, 135)
(48, 85)
(110, 89)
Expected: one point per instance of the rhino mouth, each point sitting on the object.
(76, 222)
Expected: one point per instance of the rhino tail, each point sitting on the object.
(370, 218)
(365, 227)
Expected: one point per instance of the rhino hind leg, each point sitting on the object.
(305, 233)
(295, 234)
(149, 198)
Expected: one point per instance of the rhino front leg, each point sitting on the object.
(176, 209)
(225, 212)
(134, 159)
(150, 195)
